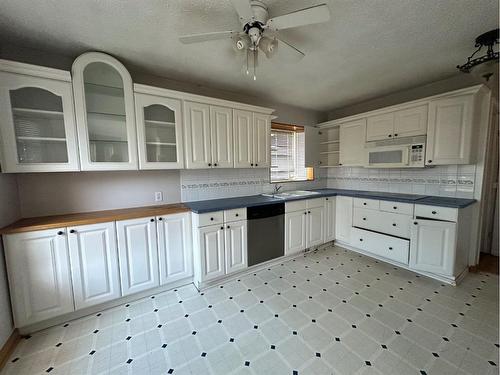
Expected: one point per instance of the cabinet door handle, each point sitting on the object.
(361, 239)
(429, 161)
(209, 164)
(308, 212)
(211, 219)
(60, 233)
(434, 212)
(326, 199)
(390, 248)
(416, 223)
(256, 164)
(396, 134)
(215, 164)
(228, 227)
(364, 203)
(221, 227)
(152, 220)
(395, 208)
(72, 231)
(390, 135)
(393, 224)
(160, 218)
(305, 213)
(251, 164)
(237, 215)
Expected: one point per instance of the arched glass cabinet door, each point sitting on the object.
(159, 130)
(104, 106)
(37, 123)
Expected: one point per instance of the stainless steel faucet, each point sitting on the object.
(277, 188)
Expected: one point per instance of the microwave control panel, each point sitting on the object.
(417, 154)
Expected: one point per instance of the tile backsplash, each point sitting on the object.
(201, 184)
(448, 180)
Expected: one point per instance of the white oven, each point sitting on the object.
(399, 153)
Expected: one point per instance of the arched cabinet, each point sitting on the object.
(105, 116)
(37, 119)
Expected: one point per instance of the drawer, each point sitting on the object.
(367, 203)
(397, 207)
(235, 215)
(438, 213)
(380, 221)
(295, 205)
(314, 203)
(388, 247)
(210, 218)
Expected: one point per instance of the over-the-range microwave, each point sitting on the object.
(406, 152)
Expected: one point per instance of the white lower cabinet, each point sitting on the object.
(175, 247)
(389, 247)
(295, 231)
(330, 219)
(304, 225)
(94, 264)
(138, 254)
(211, 251)
(235, 246)
(433, 246)
(39, 275)
(343, 219)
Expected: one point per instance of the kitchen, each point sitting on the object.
(160, 226)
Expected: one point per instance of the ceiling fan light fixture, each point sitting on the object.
(268, 46)
(242, 43)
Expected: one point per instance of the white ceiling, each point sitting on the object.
(369, 47)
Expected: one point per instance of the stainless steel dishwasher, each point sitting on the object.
(266, 232)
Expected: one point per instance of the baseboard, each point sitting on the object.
(9, 347)
(473, 269)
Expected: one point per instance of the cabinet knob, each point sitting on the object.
(305, 213)
(326, 199)
(364, 218)
(160, 218)
(308, 212)
(72, 231)
(340, 163)
(361, 239)
(152, 220)
(415, 222)
(215, 164)
(221, 227)
(209, 164)
(393, 224)
(434, 212)
(237, 215)
(256, 164)
(390, 248)
(396, 134)
(364, 203)
(251, 164)
(60, 233)
(211, 219)
(429, 161)
(395, 208)
(390, 135)
(228, 226)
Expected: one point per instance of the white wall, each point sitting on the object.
(56, 193)
(9, 212)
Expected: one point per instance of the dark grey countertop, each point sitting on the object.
(258, 200)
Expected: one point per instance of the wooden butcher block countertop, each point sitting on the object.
(68, 220)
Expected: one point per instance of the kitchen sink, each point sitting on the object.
(291, 194)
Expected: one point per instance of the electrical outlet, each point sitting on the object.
(158, 196)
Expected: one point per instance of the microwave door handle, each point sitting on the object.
(406, 156)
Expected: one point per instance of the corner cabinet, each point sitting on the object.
(105, 116)
(39, 275)
(159, 130)
(37, 125)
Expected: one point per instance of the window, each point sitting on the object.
(288, 153)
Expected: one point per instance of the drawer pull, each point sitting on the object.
(326, 199)
(212, 219)
(416, 223)
(393, 224)
(209, 164)
(237, 215)
(390, 248)
(364, 203)
(395, 207)
(364, 218)
(434, 212)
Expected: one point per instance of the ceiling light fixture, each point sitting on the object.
(486, 65)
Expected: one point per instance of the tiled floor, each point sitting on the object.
(330, 312)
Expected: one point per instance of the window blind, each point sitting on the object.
(288, 154)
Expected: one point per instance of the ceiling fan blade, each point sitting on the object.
(244, 10)
(204, 37)
(315, 14)
(289, 52)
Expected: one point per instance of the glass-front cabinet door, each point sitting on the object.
(37, 122)
(104, 106)
(159, 131)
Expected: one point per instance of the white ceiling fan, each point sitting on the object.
(256, 23)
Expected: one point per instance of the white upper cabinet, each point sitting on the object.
(352, 137)
(197, 135)
(450, 130)
(159, 132)
(39, 275)
(411, 122)
(252, 132)
(261, 140)
(221, 128)
(243, 138)
(104, 105)
(37, 124)
(380, 127)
